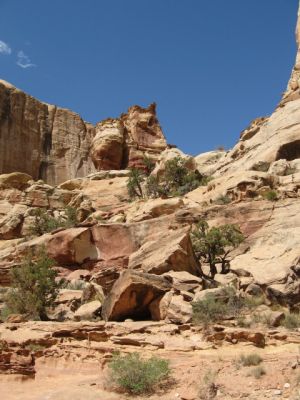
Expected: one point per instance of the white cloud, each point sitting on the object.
(24, 61)
(4, 48)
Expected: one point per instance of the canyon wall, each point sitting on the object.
(55, 144)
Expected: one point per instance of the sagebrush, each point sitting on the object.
(137, 375)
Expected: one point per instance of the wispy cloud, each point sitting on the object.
(4, 48)
(24, 61)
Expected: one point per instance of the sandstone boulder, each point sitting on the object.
(207, 163)
(179, 311)
(153, 208)
(14, 180)
(184, 281)
(92, 291)
(88, 311)
(11, 224)
(72, 246)
(132, 295)
(169, 251)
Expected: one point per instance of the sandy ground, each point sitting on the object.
(71, 380)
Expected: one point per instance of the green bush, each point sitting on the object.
(137, 375)
(252, 302)
(176, 180)
(70, 219)
(33, 287)
(154, 189)
(213, 245)
(149, 165)
(250, 360)
(291, 321)
(134, 183)
(257, 372)
(222, 200)
(215, 307)
(44, 222)
(271, 195)
(179, 180)
(226, 303)
(208, 310)
(208, 388)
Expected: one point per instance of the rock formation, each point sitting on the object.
(55, 144)
(127, 263)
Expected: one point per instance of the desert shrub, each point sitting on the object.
(227, 303)
(250, 360)
(254, 301)
(137, 375)
(243, 322)
(34, 287)
(291, 321)
(176, 180)
(213, 245)
(5, 313)
(222, 200)
(154, 189)
(213, 308)
(35, 347)
(44, 222)
(70, 219)
(257, 372)
(208, 310)
(179, 180)
(149, 165)
(134, 183)
(208, 388)
(271, 195)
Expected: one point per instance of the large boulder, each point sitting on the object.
(11, 224)
(153, 208)
(169, 251)
(15, 180)
(132, 295)
(88, 311)
(207, 163)
(72, 246)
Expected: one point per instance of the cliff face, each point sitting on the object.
(55, 144)
(44, 141)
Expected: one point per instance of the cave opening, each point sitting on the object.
(289, 151)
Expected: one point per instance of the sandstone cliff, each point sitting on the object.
(55, 144)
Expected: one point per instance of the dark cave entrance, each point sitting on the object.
(289, 151)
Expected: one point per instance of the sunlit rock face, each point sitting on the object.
(55, 144)
(44, 141)
(124, 142)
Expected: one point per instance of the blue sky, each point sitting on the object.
(210, 65)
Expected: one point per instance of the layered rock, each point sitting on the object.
(55, 144)
(44, 141)
(124, 142)
(132, 295)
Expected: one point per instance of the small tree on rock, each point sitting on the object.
(34, 287)
(212, 245)
(134, 184)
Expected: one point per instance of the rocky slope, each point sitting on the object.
(131, 271)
